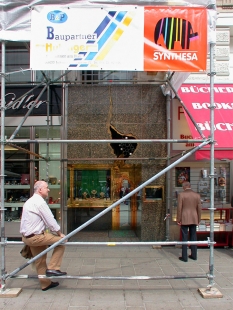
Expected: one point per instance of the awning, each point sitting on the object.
(196, 98)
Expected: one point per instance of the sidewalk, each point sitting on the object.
(106, 294)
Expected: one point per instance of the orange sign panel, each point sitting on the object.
(175, 39)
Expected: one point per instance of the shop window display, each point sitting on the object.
(200, 180)
(93, 188)
(23, 168)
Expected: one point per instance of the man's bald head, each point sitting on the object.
(41, 188)
(186, 185)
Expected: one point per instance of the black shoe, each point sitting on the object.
(183, 260)
(56, 273)
(190, 256)
(51, 285)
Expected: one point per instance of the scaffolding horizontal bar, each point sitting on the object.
(134, 191)
(112, 278)
(89, 158)
(108, 141)
(207, 242)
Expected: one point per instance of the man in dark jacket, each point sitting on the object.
(188, 217)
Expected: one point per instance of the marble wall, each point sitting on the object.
(137, 110)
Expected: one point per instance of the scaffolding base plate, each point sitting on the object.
(10, 292)
(210, 293)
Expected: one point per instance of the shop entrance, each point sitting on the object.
(93, 188)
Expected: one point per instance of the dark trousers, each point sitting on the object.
(191, 231)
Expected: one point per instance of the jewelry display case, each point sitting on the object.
(93, 188)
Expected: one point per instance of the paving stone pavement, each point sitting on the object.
(118, 294)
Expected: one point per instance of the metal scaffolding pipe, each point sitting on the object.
(106, 210)
(110, 141)
(212, 107)
(113, 278)
(2, 194)
(87, 158)
(102, 158)
(18, 71)
(142, 243)
(90, 83)
(203, 142)
(168, 175)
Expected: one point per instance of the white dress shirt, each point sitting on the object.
(37, 216)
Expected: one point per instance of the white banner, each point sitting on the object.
(87, 39)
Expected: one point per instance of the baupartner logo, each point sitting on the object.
(57, 17)
(174, 33)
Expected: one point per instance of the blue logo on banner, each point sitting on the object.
(57, 17)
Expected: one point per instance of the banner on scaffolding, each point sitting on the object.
(132, 38)
(196, 98)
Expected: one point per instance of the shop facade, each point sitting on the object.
(26, 162)
(102, 173)
(197, 168)
(86, 178)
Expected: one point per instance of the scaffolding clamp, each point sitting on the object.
(211, 176)
(210, 277)
(210, 242)
(211, 73)
(4, 242)
(3, 279)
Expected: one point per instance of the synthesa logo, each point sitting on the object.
(57, 17)
(174, 33)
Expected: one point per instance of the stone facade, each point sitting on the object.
(138, 110)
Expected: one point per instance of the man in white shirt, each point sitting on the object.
(36, 218)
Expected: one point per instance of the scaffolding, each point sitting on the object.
(203, 142)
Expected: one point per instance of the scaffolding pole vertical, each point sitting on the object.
(168, 174)
(212, 107)
(63, 148)
(47, 134)
(3, 166)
